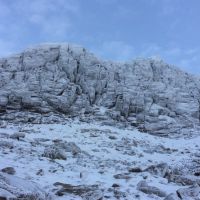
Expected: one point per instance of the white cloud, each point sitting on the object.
(52, 17)
(50, 20)
(24, 22)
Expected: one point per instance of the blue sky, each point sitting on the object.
(113, 29)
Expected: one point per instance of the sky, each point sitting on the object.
(118, 30)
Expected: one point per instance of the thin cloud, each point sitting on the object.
(47, 19)
(6, 48)
(25, 22)
(50, 17)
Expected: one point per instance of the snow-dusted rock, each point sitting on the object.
(144, 187)
(161, 169)
(87, 192)
(18, 135)
(4, 195)
(62, 78)
(3, 124)
(9, 170)
(6, 144)
(184, 179)
(12, 187)
(189, 193)
(53, 152)
(110, 165)
(172, 197)
(68, 147)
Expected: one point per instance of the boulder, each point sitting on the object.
(144, 187)
(161, 169)
(12, 187)
(172, 197)
(53, 152)
(190, 193)
(184, 179)
(9, 170)
(87, 192)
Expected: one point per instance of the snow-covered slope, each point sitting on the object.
(61, 78)
(78, 160)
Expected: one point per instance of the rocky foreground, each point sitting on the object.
(78, 160)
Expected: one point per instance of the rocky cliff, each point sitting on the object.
(67, 79)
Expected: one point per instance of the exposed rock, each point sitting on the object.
(173, 175)
(119, 194)
(112, 137)
(6, 144)
(53, 152)
(191, 193)
(9, 170)
(122, 176)
(41, 140)
(62, 78)
(3, 124)
(18, 135)
(93, 195)
(161, 169)
(4, 135)
(126, 145)
(135, 170)
(160, 149)
(5, 195)
(144, 187)
(87, 192)
(40, 172)
(115, 185)
(68, 147)
(172, 197)
(197, 173)
(184, 179)
(12, 187)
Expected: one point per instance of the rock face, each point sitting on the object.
(67, 79)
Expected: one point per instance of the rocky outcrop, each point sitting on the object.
(67, 79)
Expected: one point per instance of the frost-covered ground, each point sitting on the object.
(111, 160)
